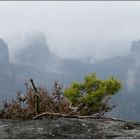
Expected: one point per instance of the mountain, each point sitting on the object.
(35, 52)
(35, 60)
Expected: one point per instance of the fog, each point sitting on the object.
(74, 29)
(38, 37)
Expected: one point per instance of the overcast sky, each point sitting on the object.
(75, 29)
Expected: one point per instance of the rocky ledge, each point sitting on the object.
(61, 128)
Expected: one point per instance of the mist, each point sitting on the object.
(93, 29)
(64, 41)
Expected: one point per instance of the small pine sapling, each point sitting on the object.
(91, 97)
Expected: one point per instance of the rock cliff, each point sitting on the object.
(35, 50)
(135, 48)
(4, 53)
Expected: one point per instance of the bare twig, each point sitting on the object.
(49, 114)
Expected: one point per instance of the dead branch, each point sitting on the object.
(32, 82)
(49, 114)
(52, 115)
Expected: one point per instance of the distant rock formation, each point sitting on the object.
(135, 48)
(35, 52)
(4, 53)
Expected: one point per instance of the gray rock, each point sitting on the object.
(4, 53)
(35, 52)
(135, 48)
(69, 128)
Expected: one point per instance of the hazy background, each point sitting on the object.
(90, 28)
(45, 38)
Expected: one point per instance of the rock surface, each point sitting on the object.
(69, 128)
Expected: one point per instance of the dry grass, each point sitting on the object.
(23, 107)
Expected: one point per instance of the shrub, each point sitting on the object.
(88, 98)
(92, 95)
(23, 107)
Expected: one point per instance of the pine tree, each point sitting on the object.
(93, 94)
